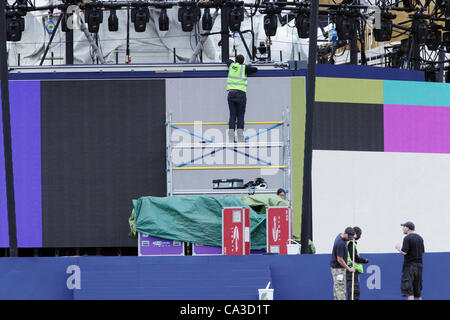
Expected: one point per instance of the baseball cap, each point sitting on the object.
(351, 232)
(408, 224)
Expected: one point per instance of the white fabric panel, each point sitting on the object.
(378, 191)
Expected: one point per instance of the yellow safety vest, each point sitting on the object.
(237, 80)
(358, 267)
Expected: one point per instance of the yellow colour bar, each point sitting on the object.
(230, 168)
(222, 123)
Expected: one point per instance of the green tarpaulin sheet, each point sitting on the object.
(196, 219)
(259, 202)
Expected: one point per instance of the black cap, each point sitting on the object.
(351, 232)
(409, 224)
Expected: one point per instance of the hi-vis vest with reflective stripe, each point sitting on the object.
(237, 80)
(358, 267)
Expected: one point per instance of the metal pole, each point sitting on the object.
(127, 53)
(69, 46)
(306, 224)
(7, 143)
(225, 41)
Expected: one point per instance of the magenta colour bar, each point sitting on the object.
(420, 129)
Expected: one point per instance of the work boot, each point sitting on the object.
(231, 135)
(240, 135)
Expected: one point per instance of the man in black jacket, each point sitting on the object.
(353, 281)
(237, 98)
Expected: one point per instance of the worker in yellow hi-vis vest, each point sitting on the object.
(237, 98)
(353, 288)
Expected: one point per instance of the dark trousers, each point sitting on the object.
(236, 103)
(349, 286)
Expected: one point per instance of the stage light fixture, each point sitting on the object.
(15, 25)
(140, 16)
(163, 20)
(235, 18)
(433, 39)
(270, 24)
(207, 22)
(93, 17)
(345, 27)
(385, 32)
(302, 25)
(113, 21)
(187, 15)
(446, 41)
(262, 47)
(420, 31)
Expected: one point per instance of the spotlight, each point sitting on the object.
(302, 25)
(262, 48)
(345, 27)
(163, 20)
(187, 15)
(113, 21)
(385, 33)
(140, 16)
(433, 39)
(93, 16)
(446, 41)
(270, 25)
(236, 17)
(420, 30)
(15, 25)
(207, 22)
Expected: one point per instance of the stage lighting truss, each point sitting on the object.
(430, 27)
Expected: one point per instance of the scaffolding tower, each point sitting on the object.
(211, 147)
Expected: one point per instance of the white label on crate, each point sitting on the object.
(176, 243)
(274, 249)
(236, 216)
(145, 243)
(247, 234)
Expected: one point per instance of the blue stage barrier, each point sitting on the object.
(293, 277)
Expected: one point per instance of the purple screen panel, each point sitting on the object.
(420, 129)
(25, 100)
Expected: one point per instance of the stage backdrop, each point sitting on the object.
(84, 148)
(381, 157)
